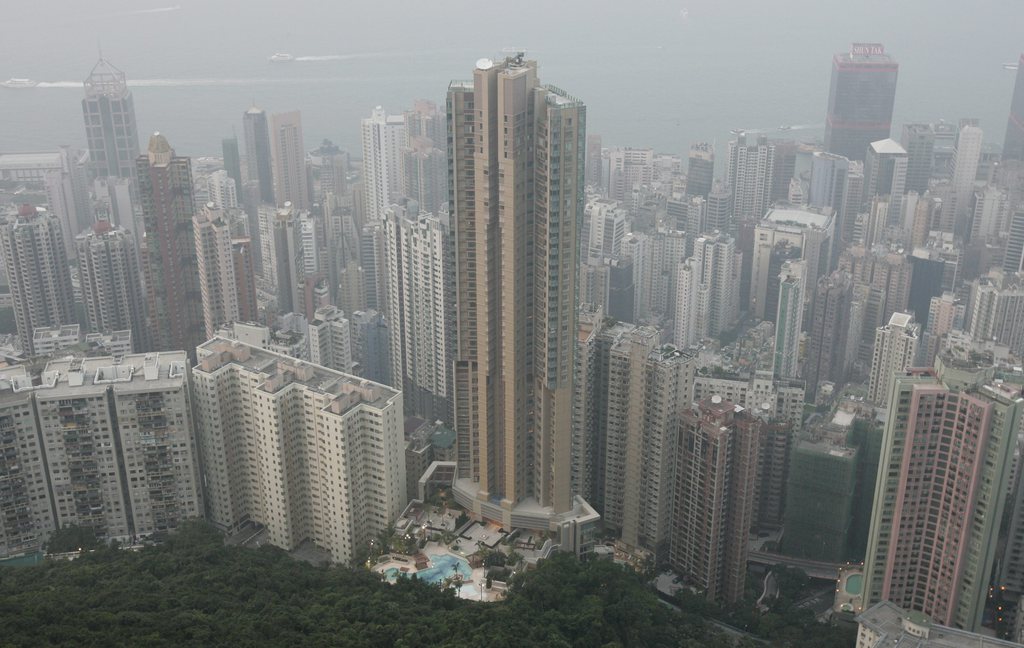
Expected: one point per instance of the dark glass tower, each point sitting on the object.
(1013, 146)
(257, 153)
(109, 113)
(860, 100)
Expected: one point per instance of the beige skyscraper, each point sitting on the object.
(517, 201)
(895, 350)
(289, 159)
(216, 264)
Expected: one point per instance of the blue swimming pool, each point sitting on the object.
(441, 567)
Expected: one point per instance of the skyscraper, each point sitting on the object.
(885, 174)
(110, 131)
(384, 140)
(895, 350)
(716, 471)
(955, 212)
(918, 140)
(233, 162)
(749, 176)
(945, 464)
(860, 100)
(700, 170)
(37, 269)
(258, 153)
(642, 389)
(789, 319)
(291, 181)
(1013, 145)
(109, 273)
(517, 159)
(425, 162)
(707, 290)
(175, 303)
(421, 307)
(828, 339)
(215, 265)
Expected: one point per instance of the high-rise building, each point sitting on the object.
(284, 445)
(718, 209)
(425, 171)
(860, 100)
(641, 390)
(37, 270)
(918, 140)
(108, 273)
(826, 357)
(418, 259)
(244, 260)
(110, 131)
(628, 169)
(215, 264)
(1013, 145)
(595, 164)
(330, 340)
(808, 230)
(233, 162)
(939, 497)
(384, 140)
(67, 194)
(221, 190)
(516, 182)
(603, 229)
(996, 310)
(175, 303)
(291, 180)
(749, 175)
(885, 174)
(716, 469)
(789, 318)
(707, 290)
(371, 346)
(258, 156)
(895, 350)
(700, 170)
(945, 313)
(1013, 256)
(957, 209)
(99, 420)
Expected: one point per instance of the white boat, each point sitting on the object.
(1010, 66)
(785, 127)
(19, 83)
(280, 57)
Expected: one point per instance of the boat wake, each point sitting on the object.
(139, 12)
(176, 83)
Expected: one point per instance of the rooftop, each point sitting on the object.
(898, 628)
(73, 374)
(888, 147)
(42, 159)
(280, 370)
(797, 216)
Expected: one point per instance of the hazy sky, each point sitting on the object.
(652, 72)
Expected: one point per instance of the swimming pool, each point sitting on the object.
(442, 567)
(854, 584)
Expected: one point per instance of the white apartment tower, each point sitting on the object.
(37, 271)
(108, 273)
(749, 176)
(384, 142)
(418, 256)
(311, 453)
(330, 340)
(707, 290)
(895, 350)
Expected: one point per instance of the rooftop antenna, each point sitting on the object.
(99, 47)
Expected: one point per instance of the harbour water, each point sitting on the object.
(652, 72)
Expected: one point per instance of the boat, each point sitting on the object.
(785, 128)
(280, 57)
(1010, 66)
(19, 83)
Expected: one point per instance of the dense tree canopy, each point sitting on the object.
(192, 590)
